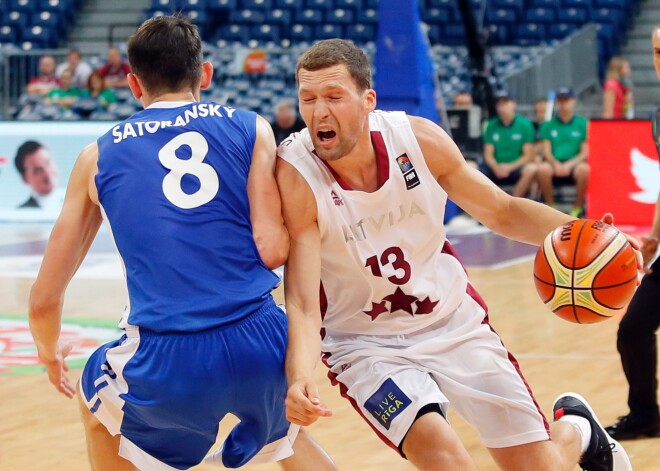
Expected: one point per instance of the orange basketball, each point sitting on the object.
(585, 271)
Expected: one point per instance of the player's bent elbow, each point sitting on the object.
(273, 254)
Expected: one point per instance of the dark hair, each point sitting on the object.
(331, 52)
(27, 148)
(92, 76)
(166, 54)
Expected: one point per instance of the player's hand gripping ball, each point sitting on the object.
(585, 271)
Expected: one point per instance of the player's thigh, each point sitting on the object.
(539, 456)
(388, 394)
(483, 382)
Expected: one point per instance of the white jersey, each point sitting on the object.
(386, 268)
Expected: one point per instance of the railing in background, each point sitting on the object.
(572, 63)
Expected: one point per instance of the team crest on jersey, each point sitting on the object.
(387, 403)
(336, 198)
(409, 174)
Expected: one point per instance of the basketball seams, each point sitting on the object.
(571, 292)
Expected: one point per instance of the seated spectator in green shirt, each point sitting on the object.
(65, 95)
(509, 148)
(564, 141)
(97, 89)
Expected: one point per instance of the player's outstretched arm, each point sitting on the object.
(268, 229)
(516, 218)
(302, 277)
(68, 244)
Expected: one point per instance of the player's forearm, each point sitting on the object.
(45, 313)
(529, 222)
(273, 245)
(304, 346)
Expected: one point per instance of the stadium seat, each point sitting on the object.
(517, 5)
(498, 34)
(40, 37)
(302, 33)
(367, 16)
(501, 16)
(360, 33)
(293, 5)
(561, 30)
(233, 32)
(246, 17)
(164, 5)
(530, 33)
(193, 5)
(258, 4)
(454, 35)
(9, 34)
(543, 4)
(436, 16)
(26, 6)
(309, 16)
(572, 15)
(609, 16)
(540, 15)
(339, 16)
(319, 4)
(328, 31)
(61, 6)
(265, 33)
(278, 16)
(355, 5)
(222, 5)
(17, 19)
(49, 19)
(435, 34)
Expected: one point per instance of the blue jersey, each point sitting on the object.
(172, 183)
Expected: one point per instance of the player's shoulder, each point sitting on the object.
(296, 145)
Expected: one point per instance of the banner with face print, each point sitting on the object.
(35, 163)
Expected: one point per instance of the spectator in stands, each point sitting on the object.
(540, 109)
(65, 95)
(509, 148)
(46, 80)
(463, 99)
(564, 141)
(286, 120)
(35, 164)
(618, 100)
(115, 71)
(80, 69)
(97, 89)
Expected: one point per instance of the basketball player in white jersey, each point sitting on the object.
(404, 334)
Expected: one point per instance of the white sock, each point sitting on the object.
(583, 426)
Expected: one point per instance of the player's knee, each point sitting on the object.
(440, 459)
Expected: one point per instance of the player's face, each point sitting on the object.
(40, 172)
(656, 51)
(335, 111)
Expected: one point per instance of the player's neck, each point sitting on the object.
(174, 96)
(359, 168)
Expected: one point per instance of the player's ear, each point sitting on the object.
(369, 100)
(207, 75)
(135, 86)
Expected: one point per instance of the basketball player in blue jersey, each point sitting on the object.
(404, 334)
(188, 192)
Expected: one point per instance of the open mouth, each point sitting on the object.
(325, 136)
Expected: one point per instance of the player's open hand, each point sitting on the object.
(57, 369)
(303, 406)
(608, 218)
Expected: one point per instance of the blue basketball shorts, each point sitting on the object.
(166, 393)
